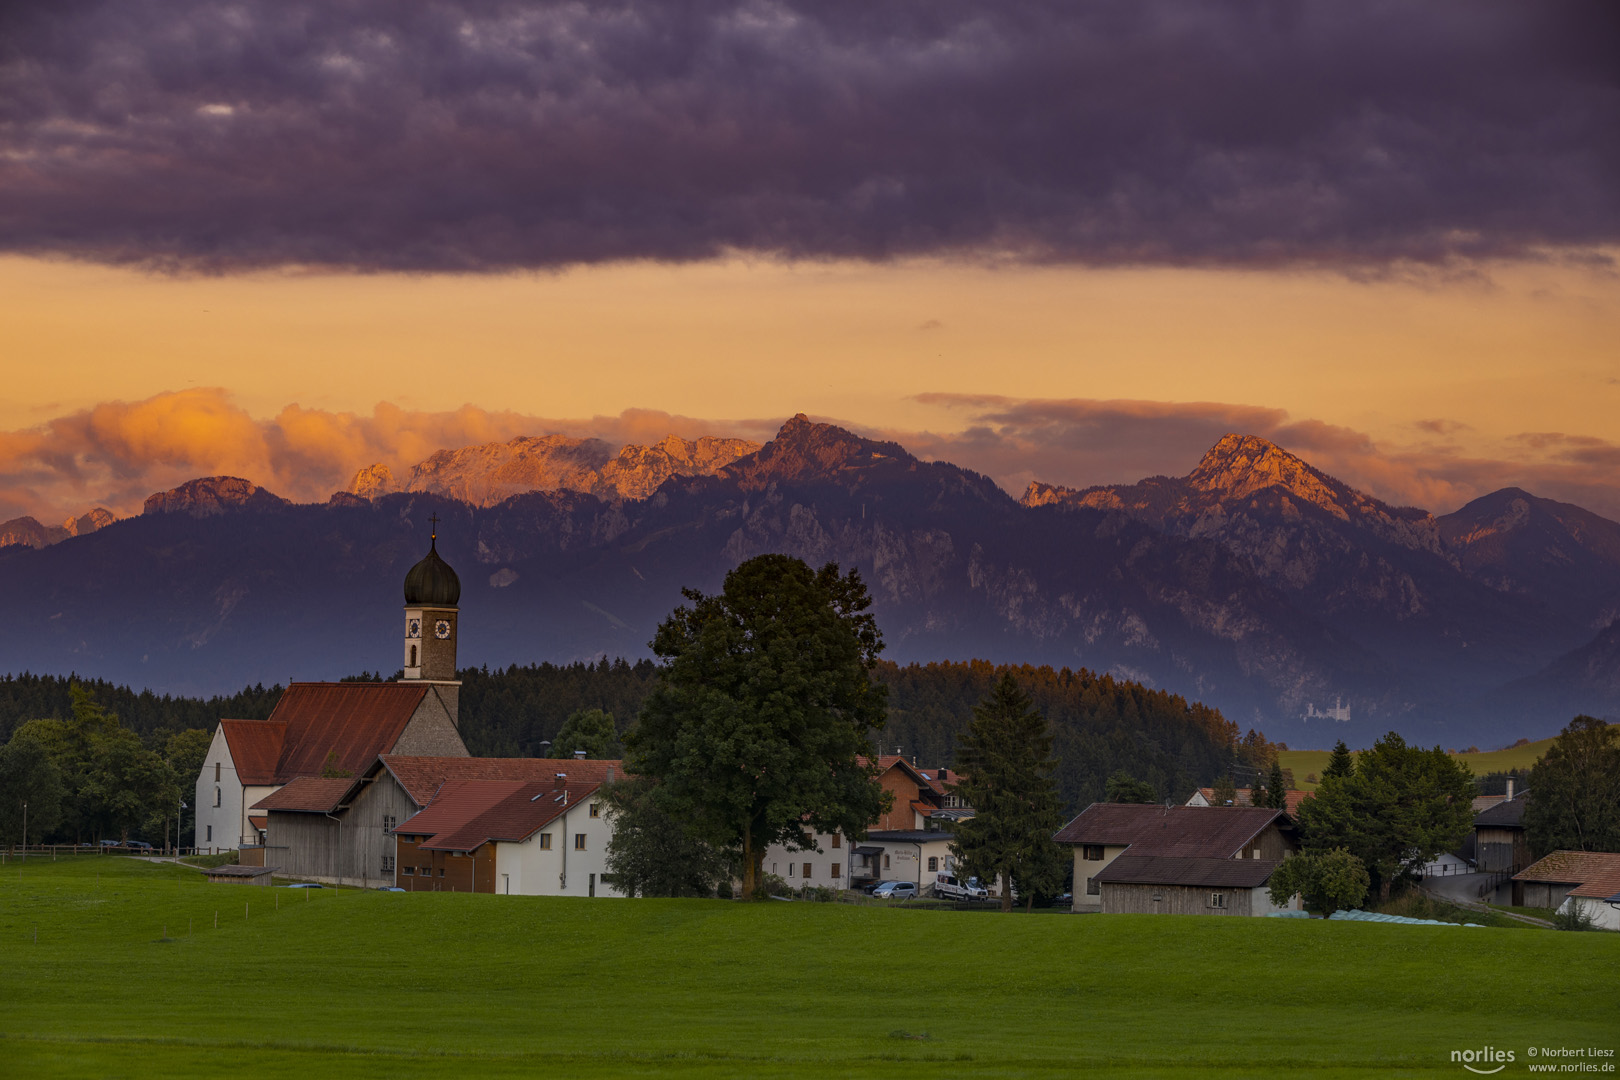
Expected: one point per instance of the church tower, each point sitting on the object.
(432, 591)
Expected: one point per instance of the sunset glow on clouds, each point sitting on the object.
(1045, 241)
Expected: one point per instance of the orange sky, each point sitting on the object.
(1519, 349)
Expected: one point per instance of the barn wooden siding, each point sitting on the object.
(1173, 900)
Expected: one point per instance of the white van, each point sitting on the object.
(951, 888)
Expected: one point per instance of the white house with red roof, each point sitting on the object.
(1584, 881)
(514, 837)
(340, 728)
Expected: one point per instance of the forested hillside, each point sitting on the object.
(1102, 724)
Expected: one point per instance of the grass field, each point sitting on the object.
(129, 977)
(1312, 762)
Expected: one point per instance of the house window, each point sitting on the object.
(1217, 899)
(388, 864)
(791, 867)
(1091, 852)
(1092, 888)
(838, 870)
(427, 871)
(410, 871)
(216, 775)
(545, 841)
(933, 863)
(1158, 897)
(838, 841)
(806, 869)
(216, 796)
(596, 809)
(389, 821)
(885, 860)
(441, 871)
(579, 841)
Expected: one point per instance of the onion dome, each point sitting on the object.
(431, 582)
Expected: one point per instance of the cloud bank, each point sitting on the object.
(117, 453)
(477, 135)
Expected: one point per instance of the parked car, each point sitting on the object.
(390, 888)
(896, 890)
(302, 885)
(873, 886)
(111, 844)
(138, 845)
(949, 887)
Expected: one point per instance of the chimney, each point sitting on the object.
(899, 751)
(1510, 789)
(944, 773)
(579, 755)
(559, 781)
(610, 774)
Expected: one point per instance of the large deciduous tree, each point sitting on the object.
(590, 730)
(1006, 763)
(1326, 881)
(1122, 787)
(28, 777)
(760, 728)
(1574, 801)
(1400, 808)
(651, 854)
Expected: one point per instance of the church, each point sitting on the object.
(328, 732)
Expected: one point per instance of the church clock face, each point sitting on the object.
(413, 628)
(441, 629)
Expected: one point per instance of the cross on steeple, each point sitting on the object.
(434, 520)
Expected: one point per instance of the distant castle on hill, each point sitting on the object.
(1340, 712)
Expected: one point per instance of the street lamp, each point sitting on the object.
(25, 832)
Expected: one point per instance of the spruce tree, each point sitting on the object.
(1224, 793)
(1276, 787)
(1341, 764)
(1006, 763)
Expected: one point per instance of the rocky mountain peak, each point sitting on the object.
(1239, 466)
(806, 450)
(372, 482)
(210, 496)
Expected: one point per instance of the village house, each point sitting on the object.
(924, 807)
(1585, 881)
(512, 837)
(1190, 860)
(342, 831)
(336, 730)
(1500, 846)
(1244, 797)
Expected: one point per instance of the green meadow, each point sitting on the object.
(1311, 762)
(113, 967)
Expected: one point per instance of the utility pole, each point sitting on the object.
(25, 832)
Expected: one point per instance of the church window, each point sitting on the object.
(216, 796)
(216, 775)
(210, 829)
(413, 656)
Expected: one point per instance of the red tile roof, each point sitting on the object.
(1593, 873)
(307, 794)
(255, 747)
(1245, 795)
(1218, 832)
(470, 813)
(355, 721)
(422, 776)
(1199, 872)
(260, 823)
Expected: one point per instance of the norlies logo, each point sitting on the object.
(1488, 1055)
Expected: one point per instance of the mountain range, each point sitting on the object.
(1256, 583)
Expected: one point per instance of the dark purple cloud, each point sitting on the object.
(489, 136)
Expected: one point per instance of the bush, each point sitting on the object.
(1325, 880)
(722, 891)
(1573, 916)
(771, 885)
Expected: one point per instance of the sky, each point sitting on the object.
(1072, 243)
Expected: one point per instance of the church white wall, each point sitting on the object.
(526, 869)
(219, 826)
